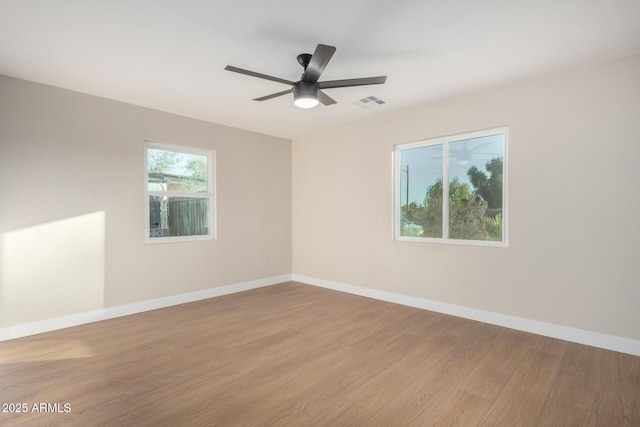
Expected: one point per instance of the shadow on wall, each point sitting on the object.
(52, 270)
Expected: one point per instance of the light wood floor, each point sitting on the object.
(297, 355)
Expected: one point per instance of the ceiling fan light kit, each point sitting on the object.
(307, 91)
(305, 95)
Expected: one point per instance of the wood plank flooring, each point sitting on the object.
(298, 355)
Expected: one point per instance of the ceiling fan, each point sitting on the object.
(307, 92)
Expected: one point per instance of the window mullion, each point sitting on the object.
(177, 194)
(445, 190)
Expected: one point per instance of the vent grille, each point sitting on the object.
(369, 102)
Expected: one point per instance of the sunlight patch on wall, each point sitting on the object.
(53, 269)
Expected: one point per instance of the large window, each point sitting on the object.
(179, 193)
(471, 207)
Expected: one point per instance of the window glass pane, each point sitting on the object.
(178, 216)
(475, 188)
(421, 191)
(176, 172)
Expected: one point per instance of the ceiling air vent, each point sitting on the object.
(369, 102)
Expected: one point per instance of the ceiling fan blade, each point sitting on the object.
(352, 82)
(319, 61)
(325, 99)
(273, 95)
(259, 75)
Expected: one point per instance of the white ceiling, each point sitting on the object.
(170, 54)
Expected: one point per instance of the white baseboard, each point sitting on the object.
(33, 328)
(595, 339)
(609, 342)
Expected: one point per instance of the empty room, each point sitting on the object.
(362, 213)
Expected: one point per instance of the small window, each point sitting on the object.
(178, 193)
(471, 208)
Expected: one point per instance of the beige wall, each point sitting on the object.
(574, 212)
(72, 205)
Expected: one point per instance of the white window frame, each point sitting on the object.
(445, 141)
(210, 194)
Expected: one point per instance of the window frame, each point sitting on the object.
(210, 194)
(445, 141)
